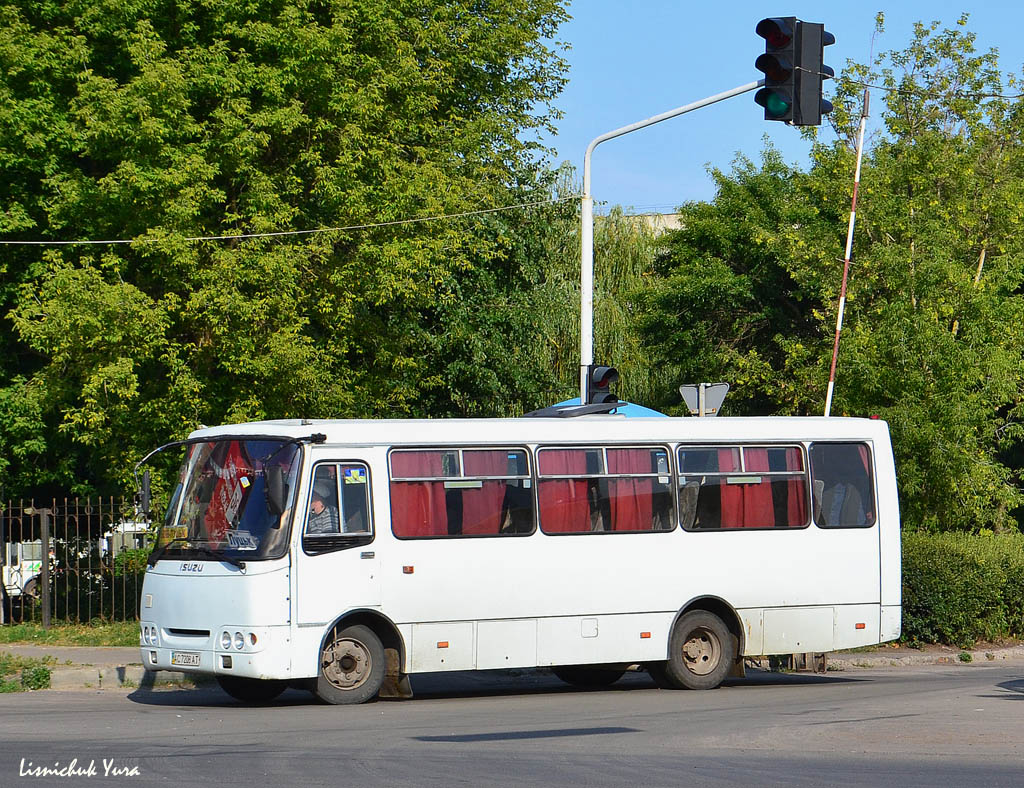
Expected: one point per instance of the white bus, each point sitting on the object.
(342, 556)
(22, 564)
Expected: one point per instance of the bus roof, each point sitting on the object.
(585, 429)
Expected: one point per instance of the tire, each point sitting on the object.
(251, 690)
(701, 653)
(351, 666)
(588, 676)
(31, 589)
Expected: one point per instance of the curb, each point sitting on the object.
(848, 661)
(102, 677)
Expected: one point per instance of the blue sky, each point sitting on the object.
(631, 59)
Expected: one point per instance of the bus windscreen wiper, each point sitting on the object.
(157, 554)
(227, 559)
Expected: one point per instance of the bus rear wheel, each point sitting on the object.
(701, 653)
(251, 690)
(588, 676)
(351, 666)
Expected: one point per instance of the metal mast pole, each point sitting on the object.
(846, 263)
(587, 219)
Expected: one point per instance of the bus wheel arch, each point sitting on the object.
(362, 635)
(705, 646)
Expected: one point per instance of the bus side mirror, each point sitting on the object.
(144, 497)
(276, 491)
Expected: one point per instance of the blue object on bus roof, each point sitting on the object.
(628, 409)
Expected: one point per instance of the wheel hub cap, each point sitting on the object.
(346, 664)
(701, 652)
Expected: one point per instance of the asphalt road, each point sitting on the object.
(918, 726)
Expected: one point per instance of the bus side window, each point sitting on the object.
(843, 492)
(355, 504)
(728, 487)
(460, 492)
(602, 490)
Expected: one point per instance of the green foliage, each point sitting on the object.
(128, 562)
(92, 633)
(32, 673)
(158, 121)
(624, 251)
(36, 678)
(960, 588)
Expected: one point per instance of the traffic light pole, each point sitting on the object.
(587, 232)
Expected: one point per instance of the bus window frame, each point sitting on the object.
(458, 482)
(872, 482)
(320, 544)
(674, 515)
(802, 446)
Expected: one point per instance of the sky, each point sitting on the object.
(631, 59)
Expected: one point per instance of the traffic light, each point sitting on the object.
(812, 39)
(599, 380)
(778, 64)
(793, 70)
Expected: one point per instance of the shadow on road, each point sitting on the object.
(482, 684)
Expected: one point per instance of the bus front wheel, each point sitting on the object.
(701, 652)
(351, 666)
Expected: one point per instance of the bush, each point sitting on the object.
(960, 588)
(35, 678)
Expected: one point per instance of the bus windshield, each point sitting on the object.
(221, 505)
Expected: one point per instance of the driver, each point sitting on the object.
(323, 515)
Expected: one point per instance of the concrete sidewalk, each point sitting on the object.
(89, 667)
(97, 667)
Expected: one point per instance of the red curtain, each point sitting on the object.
(732, 494)
(418, 508)
(747, 505)
(481, 507)
(796, 507)
(630, 499)
(758, 511)
(230, 463)
(564, 507)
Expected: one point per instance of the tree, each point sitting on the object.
(156, 122)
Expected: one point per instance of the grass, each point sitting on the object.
(24, 673)
(96, 633)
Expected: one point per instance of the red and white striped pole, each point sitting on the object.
(846, 263)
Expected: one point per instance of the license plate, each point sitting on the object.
(190, 658)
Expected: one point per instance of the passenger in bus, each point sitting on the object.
(323, 515)
(841, 481)
(841, 505)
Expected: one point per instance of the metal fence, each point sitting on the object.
(71, 560)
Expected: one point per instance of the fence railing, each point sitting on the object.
(72, 560)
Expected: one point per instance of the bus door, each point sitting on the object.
(337, 566)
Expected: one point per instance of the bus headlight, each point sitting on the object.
(239, 641)
(225, 639)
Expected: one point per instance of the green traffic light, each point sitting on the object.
(776, 105)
